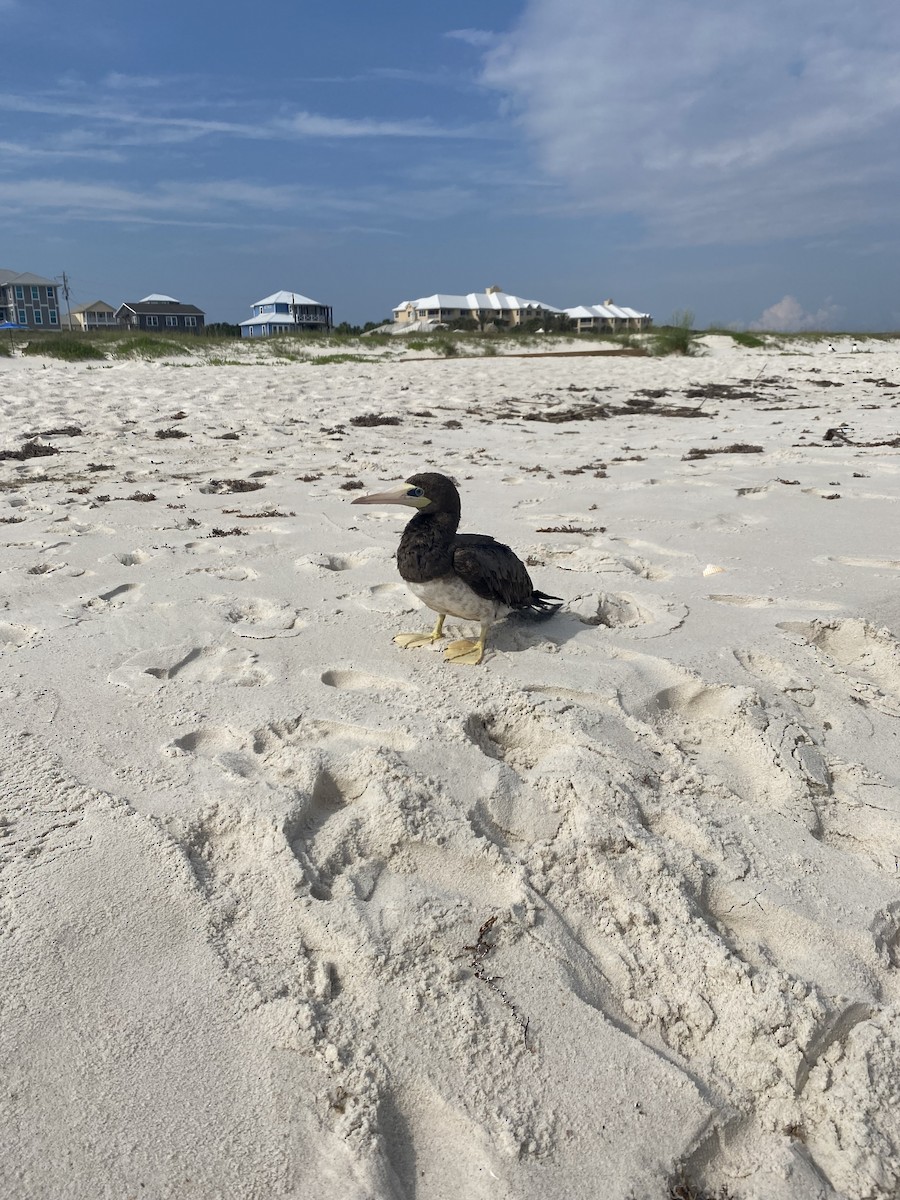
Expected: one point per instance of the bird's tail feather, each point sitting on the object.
(540, 606)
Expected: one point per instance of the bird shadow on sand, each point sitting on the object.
(516, 634)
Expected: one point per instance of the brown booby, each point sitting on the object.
(464, 575)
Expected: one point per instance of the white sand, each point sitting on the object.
(249, 843)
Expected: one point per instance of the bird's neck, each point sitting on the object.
(425, 550)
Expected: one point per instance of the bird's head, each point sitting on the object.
(428, 492)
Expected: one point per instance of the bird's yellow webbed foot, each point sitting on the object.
(409, 640)
(467, 650)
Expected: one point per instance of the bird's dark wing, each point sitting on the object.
(491, 569)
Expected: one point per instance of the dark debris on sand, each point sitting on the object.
(29, 450)
(637, 406)
(220, 486)
(255, 516)
(722, 391)
(572, 529)
(374, 419)
(738, 448)
(63, 431)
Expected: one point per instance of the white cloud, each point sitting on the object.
(307, 124)
(480, 38)
(711, 123)
(159, 127)
(220, 201)
(24, 150)
(789, 316)
(120, 82)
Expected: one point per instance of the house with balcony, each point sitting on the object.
(490, 307)
(96, 315)
(607, 318)
(160, 314)
(29, 300)
(287, 312)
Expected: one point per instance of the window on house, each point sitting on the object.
(38, 317)
(54, 319)
(171, 321)
(35, 293)
(152, 322)
(190, 322)
(20, 292)
(23, 320)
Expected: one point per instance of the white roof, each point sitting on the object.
(479, 301)
(608, 312)
(287, 298)
(156, 298)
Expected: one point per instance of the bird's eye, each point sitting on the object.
(416, 492)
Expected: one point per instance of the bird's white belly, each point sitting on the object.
(451, 596)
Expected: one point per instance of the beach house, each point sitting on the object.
(286, 312)
(155, 313)
(28, 300)
(493, 306)
(606, 317)
(96, 315)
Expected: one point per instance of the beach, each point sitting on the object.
(290, 911)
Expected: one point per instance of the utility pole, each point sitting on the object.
(65, 287)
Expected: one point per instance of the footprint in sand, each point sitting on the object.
(644, 569)
(13, 636)
(746, 743)
(201, 664)
(210, 741)
(743, 601)
(768, 601)
(355, 681)
(768, 669)
(571, 696)
(259, 618)
(276, 753)
(115, 597)
(230, 574)
(519, 739)
(646, 615)
(876, 564)
(387, 598)
(45, 568)
(282, 736)
(869, 658)
(341, 562)
(132, 558)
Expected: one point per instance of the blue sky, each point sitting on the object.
(739, 161)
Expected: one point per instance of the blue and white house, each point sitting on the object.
(286, 312)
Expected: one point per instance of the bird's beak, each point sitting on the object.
(397, 495)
